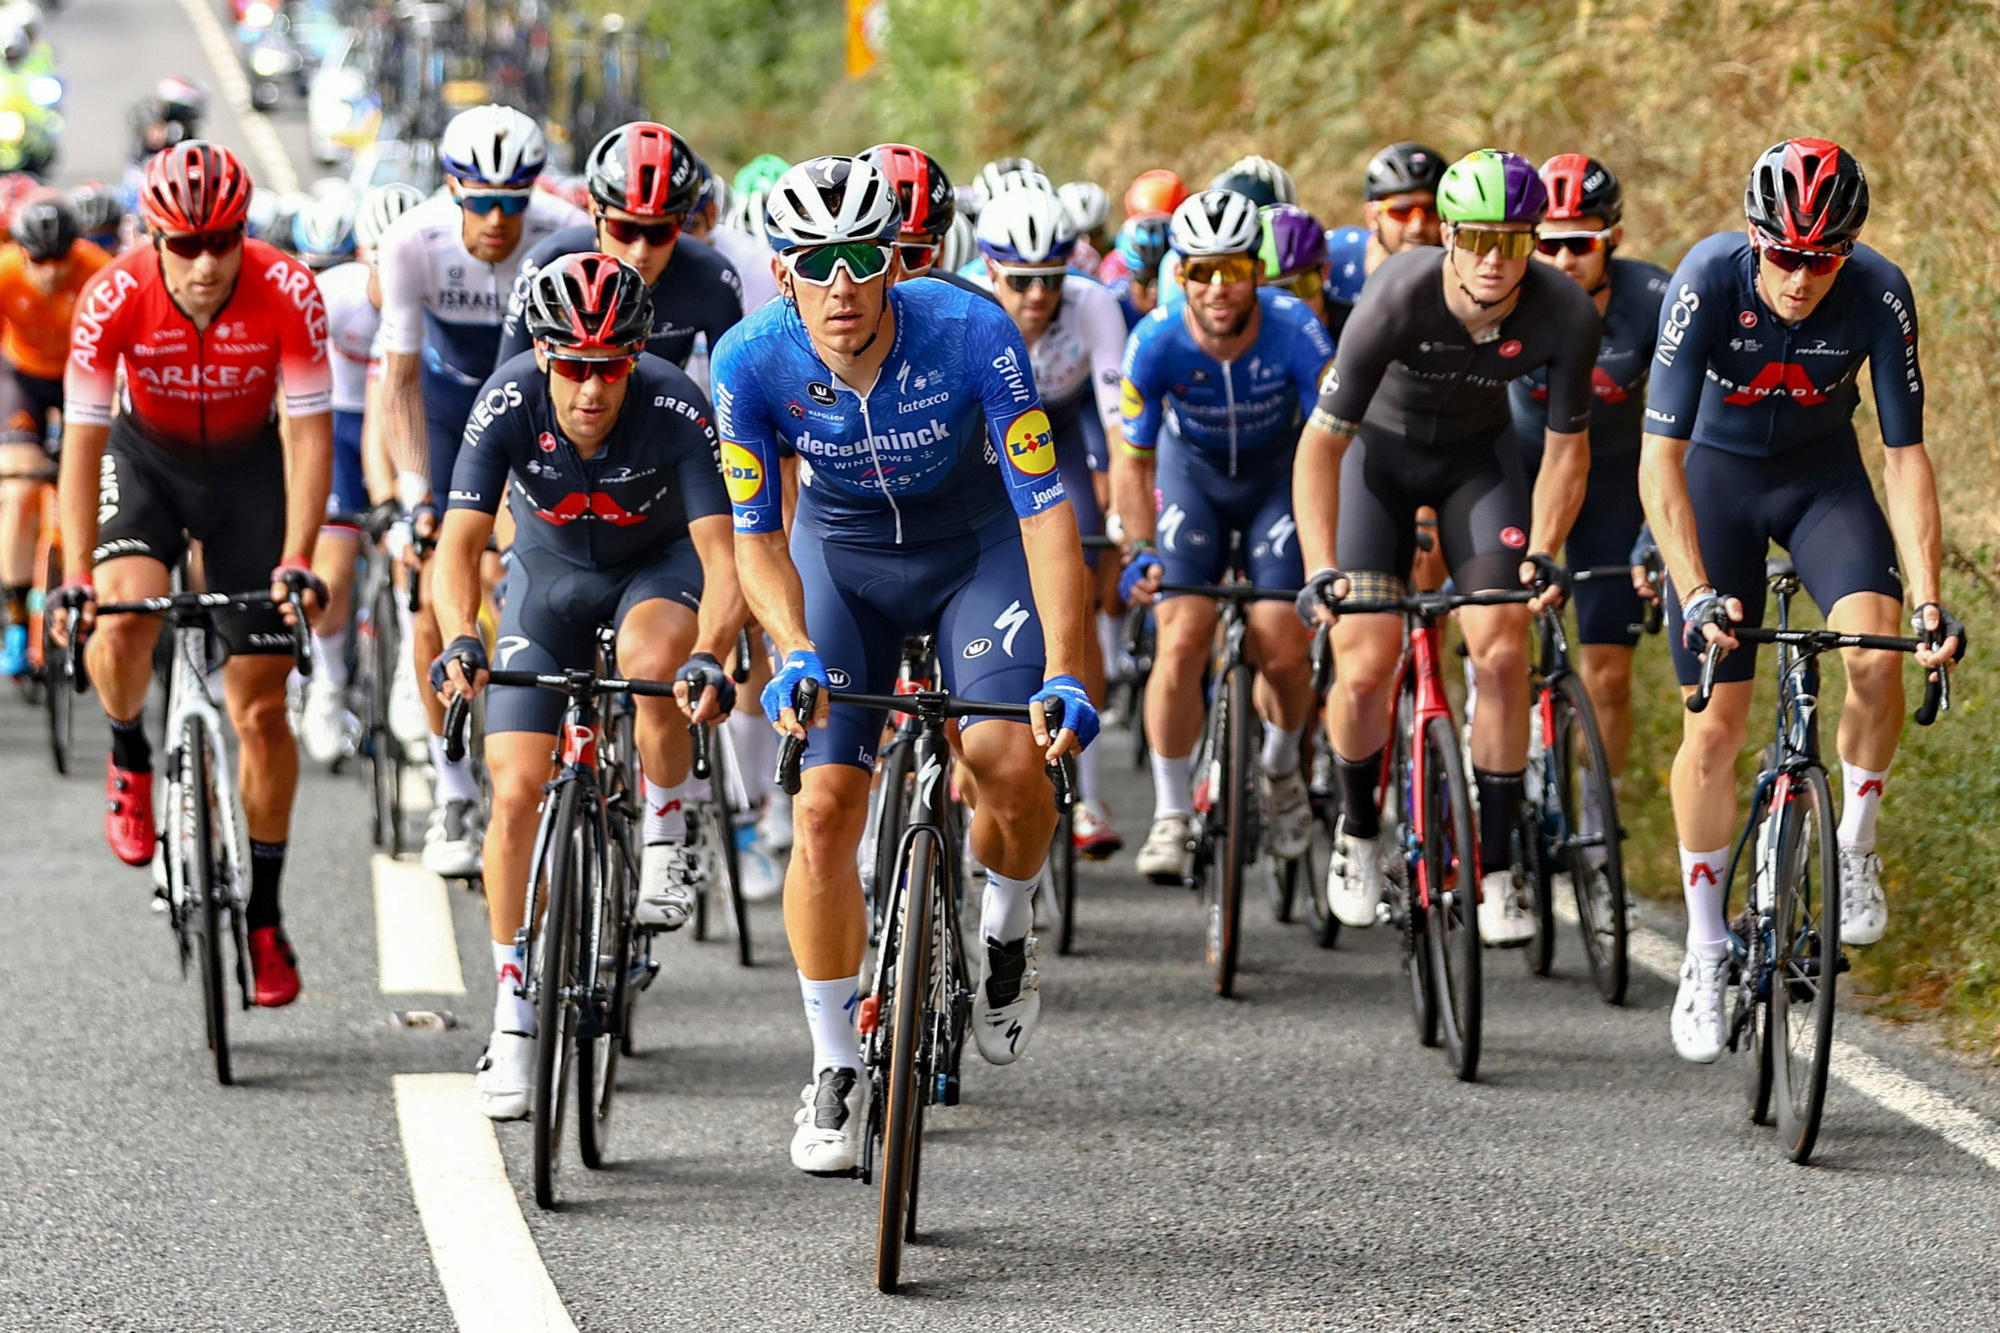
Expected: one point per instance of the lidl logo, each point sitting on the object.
(1129, 401)
(741, 473)
(1030, 446)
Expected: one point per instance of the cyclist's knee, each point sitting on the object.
(826, 820)
(259, 715)
(1607, 678)
(517, 787)
(1711, 740)
(1874, 677)
(1500, 661)
(1006, 764)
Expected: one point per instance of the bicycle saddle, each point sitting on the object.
(1779, 567)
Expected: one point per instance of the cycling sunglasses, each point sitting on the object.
(864, 261)
(1819, 263)
(1479, 240)
(918, 255)
(626, 232)
(610, 369)
(1027, 279)
(193, 244)
(1576, 242)
(1227, 269)
(511, 203)
(1404, 214)
(1305, 284)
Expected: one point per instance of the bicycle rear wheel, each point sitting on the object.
(1592, 848)
(921, 873)
(1806, 959)
(1233, 846)
(1451, 884)
(197, 825)
(565, 864)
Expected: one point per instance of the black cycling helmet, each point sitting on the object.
(590, 303)
(644, 169)
(45, 227)
(1404, 168)
(1807, 192)
(99, 211)
(1258, 179)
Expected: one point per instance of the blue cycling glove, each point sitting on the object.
(1143, 563)
(798, 666)
(1078, 713)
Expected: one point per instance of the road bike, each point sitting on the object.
(1785, 941)
(381, 608)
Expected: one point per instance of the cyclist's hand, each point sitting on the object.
(78, 595)
(804, 664)
(461, 669)
(1943, 635)
(1645, 561)
(396, 542)
(294, 575)
(1325, 586)
(1550, 579)
(1079, 717)
(703, 689)
(1706, 618)
(423, 534)
(1140, 578)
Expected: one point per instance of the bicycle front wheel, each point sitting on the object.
(1233, 845)
(62, 669)
(196, 826)
(722, 789)
(606, 970)
(1591, 848)
(922, 878)
(1062, 865)
(553, 958)
(1451, 888)
(1805, 956)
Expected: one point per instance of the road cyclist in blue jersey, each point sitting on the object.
(1750, 440)
(1212, 398)
(928, 502)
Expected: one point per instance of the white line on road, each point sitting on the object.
(1888, 1087)
(487, 1263)
(416, 950)
(274, 164)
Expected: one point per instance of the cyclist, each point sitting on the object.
(42, 271)
(445, 270)
(1238, 366)
(1399, 213)
(1090, 210)
(1154, 191)
(1259, 180)
(1132, 269)
(1415, 414)
(930, 208)
(907, 525)
(759, 174)
(608, 456)
(205, 325)
(1750, 439)
(1293, 255)
(750, 257)
(100, 215)
(1076, 340)
(643, 184)
(1580, 235)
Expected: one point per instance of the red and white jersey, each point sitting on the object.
(352, 322)
(206, 391)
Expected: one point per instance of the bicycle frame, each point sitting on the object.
(188, 701)
(1421, 679)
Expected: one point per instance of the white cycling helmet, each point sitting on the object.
(1257, 177)
(830, 200)
(1008, 173)
(1088, 203)
(323, 230)
(746, 214)
(959, 247)
(1213, 223)
(380, 208)
(1027, 227)
(494, 146)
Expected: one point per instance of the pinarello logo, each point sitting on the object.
(1512, 347)
(1513, 537)
(1748, 319)
(547, 442)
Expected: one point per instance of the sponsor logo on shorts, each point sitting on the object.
(1513, 537)
(1030, 446)
(742, 474)
(837, 678)
(978, 648)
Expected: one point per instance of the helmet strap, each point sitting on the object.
(1483, 305)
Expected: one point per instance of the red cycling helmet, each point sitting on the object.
(1155, 191)
(925, 192)
(194, 186)
(589, 303)
(1582, 187)
(645, 169)
(1807, 192)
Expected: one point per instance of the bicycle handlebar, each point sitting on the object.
(575, 684)
(1428, 605)
(1229, 592)
(1937, 689)
(184, 603)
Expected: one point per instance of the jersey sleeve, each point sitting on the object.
(1014, 417)
(491, 442)
(1570, 396)
(1690, 315)
(749, 440)
(1893, 366)
(96, 337)
(404, 275)
(1310, 352)
(304, 369)
(1103, 330)
(703, 491)
(1368, 344)
(1141, 390)
(514, 338)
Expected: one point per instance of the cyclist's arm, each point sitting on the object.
(457, 589)
(1140, 411)
(1367, 348)
(1063, 597)
(308, 478)
(1673, 395)
(403, 428)
(89, 381)
(771, 587)
(1908, 480)
(764, 569)
(1909, 484)
(722, 609)
(1104, 338)
(82, 458)
(514, 338)
(376, 468)
(1663, 493)
(1565, 472)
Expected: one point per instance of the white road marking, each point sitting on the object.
(416, 950)
(487, 1262)
(274, 164)
(1881, 1083)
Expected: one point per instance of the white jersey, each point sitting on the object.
(352, 322)
(437, 299)
(1082, 348)
(751, 259)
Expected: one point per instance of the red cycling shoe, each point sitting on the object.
(128, 814)
(273, 967)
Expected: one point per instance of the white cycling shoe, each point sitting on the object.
(1007, 1003)
(451, 843)
(1864, 912)
(327, 730)
(1287, 813)
(1163, 858)
(1354, 880)
(757, 870)
(1504, 918)
(1697, 1020)
(506, 1075)
(827, 1141)
(666, 885)
(408, 721)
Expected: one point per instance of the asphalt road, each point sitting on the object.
(1159, 1160)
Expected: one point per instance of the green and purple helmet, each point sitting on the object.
(1492, 186)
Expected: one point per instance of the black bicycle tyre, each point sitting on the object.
(200, 881)
(597, 1059)
(1752, 989)
(918, 869)
(554, 956)
(1397, 812)
(1806, 948)
(385, 748)
(732, 868)
(1235, 843)
(1453, 908)
(1537, 863)
(1062, 865)
(60, 670)
(1602, 919)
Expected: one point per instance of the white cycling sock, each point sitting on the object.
(1701, 879)
(1086, 774)
(330, 657)
(511, 1012)
(1170, 785)
(1008, 909)
(830, 1007)
(755, 747)
(1108, 647)
(666, 821)
(1863, 791)
(454, 780)
(1281, 750)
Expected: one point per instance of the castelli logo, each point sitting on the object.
(547, 442)
(1513, 537)
(1748, 319)
(1512, 347)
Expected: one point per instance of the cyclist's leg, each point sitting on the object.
(1608, 612)
(1278, 640)
(447, 405)
(656, 633)
(141, 536)
(339, 544)
(1377, 543)
(1194, 543)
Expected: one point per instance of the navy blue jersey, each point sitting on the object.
(948, 436)
(1730, 374)
(1618, 382)
(656, 472)
(697, 292)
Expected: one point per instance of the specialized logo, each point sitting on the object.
(820, 393)
(742, 474)
(1030, 445)
(1281, 534)
(1512, 347)
(1130, 403)
(927, 777)
(1010, 622)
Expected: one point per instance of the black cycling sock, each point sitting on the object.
(130, 750)
(17, 606)
(1500, 796)
(1360, 783)
(267, 863)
